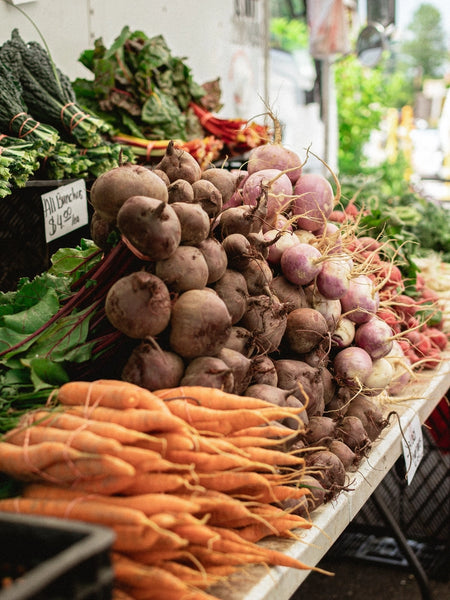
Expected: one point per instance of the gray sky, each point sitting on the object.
(406, 9)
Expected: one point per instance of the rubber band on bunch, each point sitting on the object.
(20, 133)
(73, 123)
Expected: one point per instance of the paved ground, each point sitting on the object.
(367, 582)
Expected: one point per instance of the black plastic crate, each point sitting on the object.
(421, 509)
(54, 559)
(24, 251)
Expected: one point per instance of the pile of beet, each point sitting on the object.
(245, 284)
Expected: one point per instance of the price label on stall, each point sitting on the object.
(412, 443)
(65, 209)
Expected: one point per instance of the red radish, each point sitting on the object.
(275, 156)
(301, 263)
(278, 186)
(313, 201)
(200, 324)
(138, 305)
(305, 329)
(375, 337)
(333, 280)
(352, 366)
(344, 333)
(361, 301)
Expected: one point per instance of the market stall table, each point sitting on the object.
(330, 520)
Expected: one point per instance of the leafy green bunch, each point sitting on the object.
(139, 87)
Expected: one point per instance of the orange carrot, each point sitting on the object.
(63, 420)
(94, 393)
(212, 463)
(136, 574)
(189, 575)
(146, 460)
(80, 439)
(148, 483)
(218, 421)
(28, 461)
(211, 398)
(80, 509)
(144, 398)
(149, 504)
(137, 419)
(142, 538)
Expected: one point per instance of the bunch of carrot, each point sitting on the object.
(188, 478)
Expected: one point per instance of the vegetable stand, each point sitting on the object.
(331, 519)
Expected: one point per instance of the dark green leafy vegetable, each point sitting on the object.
(48, 93)
(139, 87)
(14, 116)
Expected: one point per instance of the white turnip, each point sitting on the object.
(380, 377)
(361, 301)
(333, 280)
(301, 263)
(313, 201)
(275, 156)
(352, 366)
(344, 333)
(375, 337)
(278, 186)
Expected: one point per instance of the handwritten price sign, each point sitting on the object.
(65, 209)
(412, 444)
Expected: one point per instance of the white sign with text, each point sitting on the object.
(412, 443)
(65, 209)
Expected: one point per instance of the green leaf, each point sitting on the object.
(29, 320)
(65, 339)
(45, 373)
